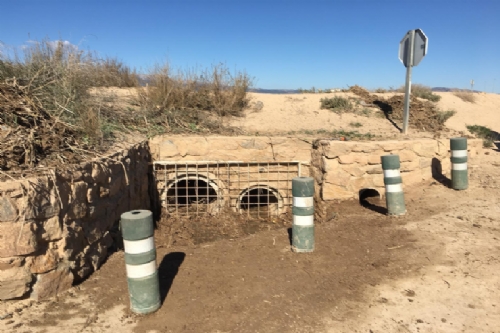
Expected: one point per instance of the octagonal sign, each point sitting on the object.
(419, 49)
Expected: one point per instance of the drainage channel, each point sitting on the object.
(195, 188)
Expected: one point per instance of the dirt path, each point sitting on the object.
(434, 270)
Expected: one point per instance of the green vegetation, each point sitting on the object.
(443, 116)
(313, 90)
(355, 124)
(484, 133)
(366, 112)
(338, 134)
(336, 104)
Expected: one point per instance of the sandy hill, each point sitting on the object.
(292, 113)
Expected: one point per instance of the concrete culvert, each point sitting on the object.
(368, 196)
(260, 201)
(371, 199)
(192, 194)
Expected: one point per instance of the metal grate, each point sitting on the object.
(194, 188)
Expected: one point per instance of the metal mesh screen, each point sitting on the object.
(258, 189)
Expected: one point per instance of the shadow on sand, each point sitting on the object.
(169, 267)
(371, 199)
(437, 173)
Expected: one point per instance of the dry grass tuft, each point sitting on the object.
(336, 104)
(58, 76)
(421, 91)
(466, 96)
(196, 101)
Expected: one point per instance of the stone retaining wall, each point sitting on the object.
(342, 169)
(238, 148)
(55, 229)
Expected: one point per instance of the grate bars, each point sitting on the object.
(194, 188)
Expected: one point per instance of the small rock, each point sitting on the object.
(5, 316)
(410, 293)
(420, 321)
(443, 320)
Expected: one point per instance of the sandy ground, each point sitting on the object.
(290, 113)
(433, 270)
(485, 111)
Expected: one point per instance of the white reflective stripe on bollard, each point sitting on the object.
(394, 188)
(140, 271)
(392, 173)
(303, 220)
(303, 202)
(139, 246)
(459, 166)
(459, 153)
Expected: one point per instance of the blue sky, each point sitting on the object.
(282, 44)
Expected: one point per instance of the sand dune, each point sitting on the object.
(288, 113)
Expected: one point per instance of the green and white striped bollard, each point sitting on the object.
(140, 261)
(394, 195)
(459, 173)
(303, 214)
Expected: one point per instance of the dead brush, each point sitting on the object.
(58, 76)
(422, 91)
(336, 104)
(194, 97)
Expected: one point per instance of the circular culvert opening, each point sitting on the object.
(260, 201)
(191, 193)
(368, 196)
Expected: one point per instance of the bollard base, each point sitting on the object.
(296, 250)
(395, 203)
(459, 180)
(144, 294)
(302, 238)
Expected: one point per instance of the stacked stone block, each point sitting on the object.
(55, 228)
(341, 168)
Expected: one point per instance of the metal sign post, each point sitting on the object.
(406, 110)
(412, 49)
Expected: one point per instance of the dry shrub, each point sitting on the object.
(58, 76)
(336, 104)
(443, 116)
(422, 91)
(484, 133)
(190, 94)
(466, 96)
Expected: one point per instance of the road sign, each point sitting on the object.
(412, 48)
(419, 47)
